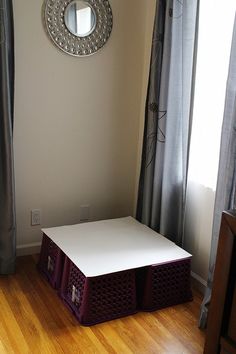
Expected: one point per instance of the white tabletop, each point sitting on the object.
(107, 246)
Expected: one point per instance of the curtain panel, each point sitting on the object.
(7, 195)
(226, 183)
(168, 120)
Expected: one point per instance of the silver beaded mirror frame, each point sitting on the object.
(54, 18)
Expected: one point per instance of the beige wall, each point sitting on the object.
(79, 127)
(198, 227)
(77, 120)
(149, 19)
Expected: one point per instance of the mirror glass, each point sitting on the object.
(80, 18)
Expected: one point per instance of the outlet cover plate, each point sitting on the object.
(35, 217)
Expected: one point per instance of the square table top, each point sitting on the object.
(108, 246)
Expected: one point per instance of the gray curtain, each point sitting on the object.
(7, 198)
(162, 187)
(226, 184)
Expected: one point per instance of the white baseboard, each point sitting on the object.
(28, 249)
(199, 282)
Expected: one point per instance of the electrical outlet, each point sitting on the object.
(84, 213)
(35, 217)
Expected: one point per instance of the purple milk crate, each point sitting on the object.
(51, 262)
(164, 285)
(98, 299)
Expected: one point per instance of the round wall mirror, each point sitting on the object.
(78, 27)
(80, 18)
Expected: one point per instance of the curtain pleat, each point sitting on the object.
(168, 120)
(226, 183)
(7, 193)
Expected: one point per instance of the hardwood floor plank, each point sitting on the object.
(130, 329)
(11, 326)
(115, 340)
(35, 320)
(160, 334)
(97, 332)
(176, 323)
(6, 345)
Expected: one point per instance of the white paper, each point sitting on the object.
(108, 246)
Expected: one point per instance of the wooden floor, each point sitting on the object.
(34, 320)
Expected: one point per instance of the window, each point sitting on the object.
(215, 34)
